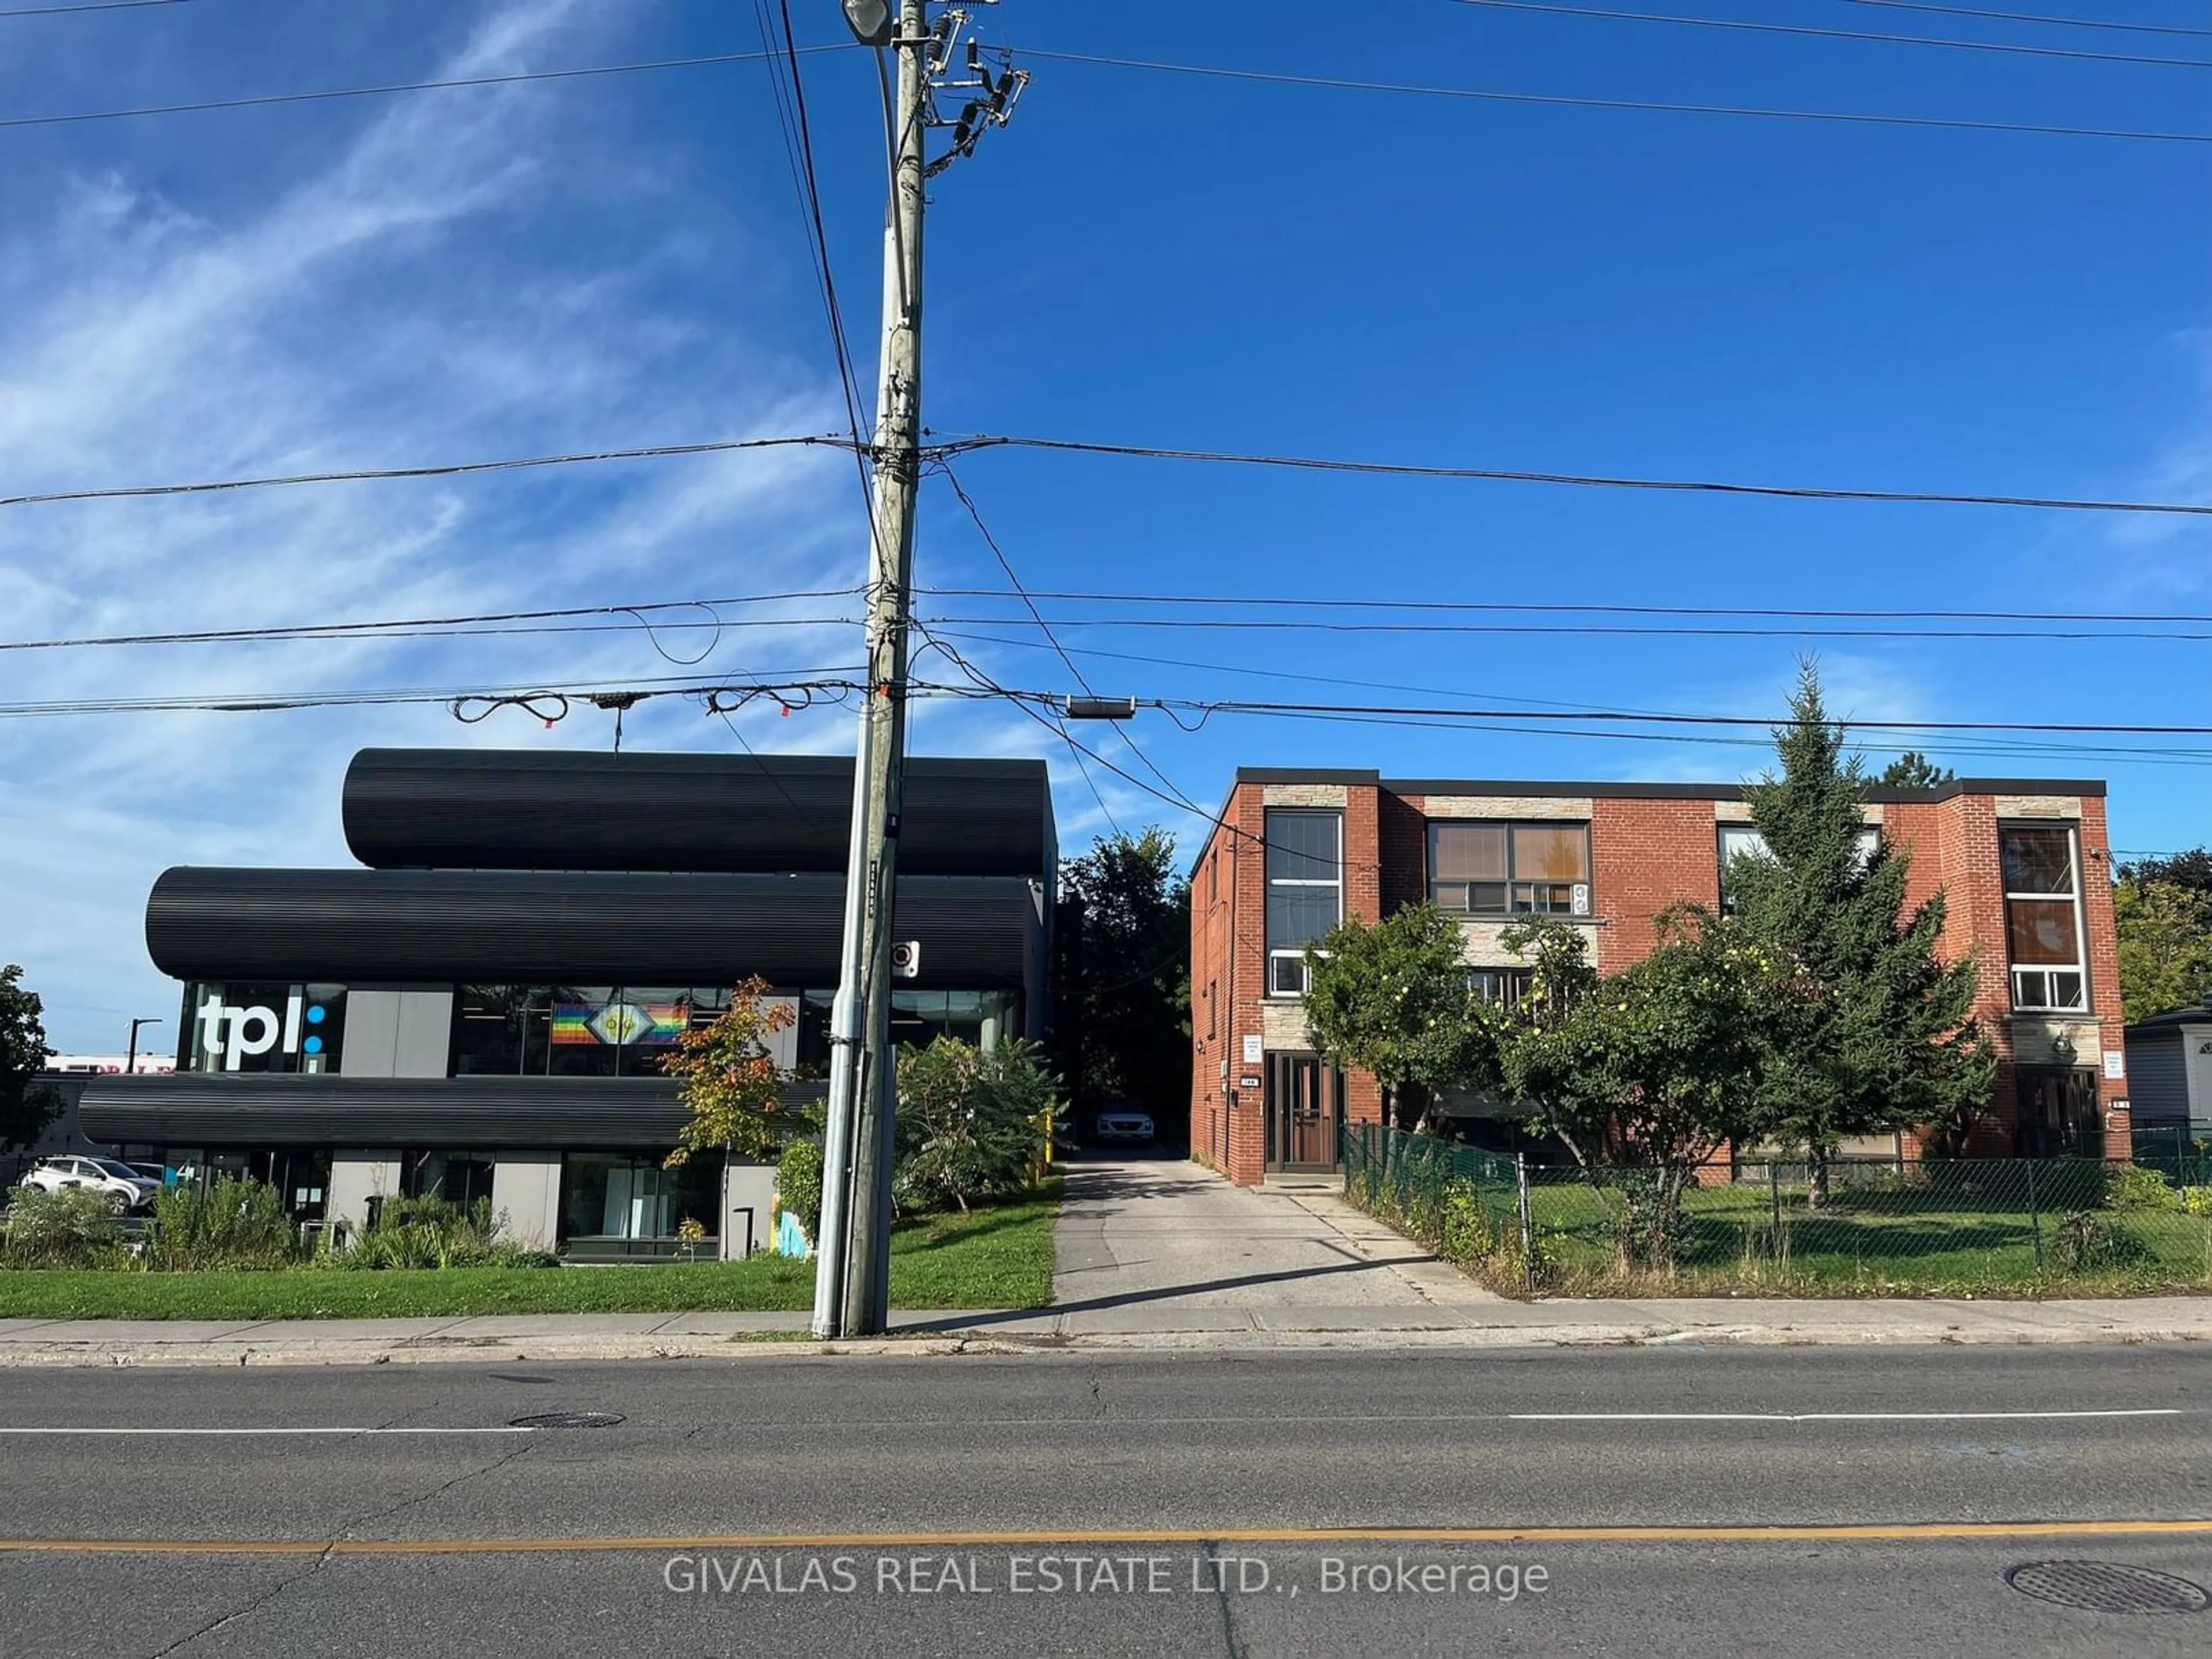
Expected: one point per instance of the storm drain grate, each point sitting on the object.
(2107, 1586)
(567, 1420)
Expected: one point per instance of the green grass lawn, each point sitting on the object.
(1880, 1240)
(996, 1257)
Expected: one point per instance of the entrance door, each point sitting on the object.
(1306, 1099)
(2058, 1113)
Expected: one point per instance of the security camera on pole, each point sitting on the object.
(853, 1266)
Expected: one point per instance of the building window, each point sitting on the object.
(1510, 869)
(2042, 917)
(1500, 988)
(1740, 841)
(459, 1178)
(574, 1030)
(1305, 890)
(612, 1204)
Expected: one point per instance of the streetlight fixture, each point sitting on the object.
(130, 1061)
(872, 22)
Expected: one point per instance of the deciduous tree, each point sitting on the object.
(1652, 1070)
(1130, 995)
(1392, 998)
(731, 1083)
(2166, 945)
(26, 1106)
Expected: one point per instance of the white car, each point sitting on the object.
(125, 1187)
(1124, 1128)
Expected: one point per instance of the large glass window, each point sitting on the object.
(238, 1027)
(1510, 869)
(1305, 890)
(981, 1019)
(613, 1203)
(2042, 917)
(574, 1030)
(459, 1177)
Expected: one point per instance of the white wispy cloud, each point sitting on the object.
(422, 282)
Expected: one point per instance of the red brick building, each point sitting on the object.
(2026, 865)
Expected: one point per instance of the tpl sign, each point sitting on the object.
(235, 1030)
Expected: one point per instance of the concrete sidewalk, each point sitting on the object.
(1125, 1327)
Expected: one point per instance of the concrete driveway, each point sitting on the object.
(1165, 1243)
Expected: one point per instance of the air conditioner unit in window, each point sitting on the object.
(1581, 898)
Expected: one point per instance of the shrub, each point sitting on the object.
(426, 1232)
(1463, 1230)
(798, 1184)
(2089, 1243)
(2197, 1200)
(971, 1123)
(66, 1229)
(231, 1222)
(2136, 1187)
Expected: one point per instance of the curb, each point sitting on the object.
(105, 1355)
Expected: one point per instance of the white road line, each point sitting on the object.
(501, 1428)
(1828, 1416)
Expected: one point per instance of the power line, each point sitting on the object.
(267, 99)
(281, 701)
(1649, 105)
(1631, 717)
(1022, 699)
(2041, 17)
(87, 5)
(940, 452)
(1571, 708)
(1254, 600)
(650, 451)
(1818, 32)
(1500, 475)
(1595, 630)
(1006, 565)
(799, 151)
(407, 627)
(2194, 758)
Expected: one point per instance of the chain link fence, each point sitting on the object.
(1852, 1226)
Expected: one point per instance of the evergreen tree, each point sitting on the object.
(1887, 1040)
(1914, 770)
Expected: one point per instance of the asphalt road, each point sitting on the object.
(1156, 1504)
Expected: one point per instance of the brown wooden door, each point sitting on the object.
(1305, 1101)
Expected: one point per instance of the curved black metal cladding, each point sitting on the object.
(267, 1109)
(453, 809)
(428, 927)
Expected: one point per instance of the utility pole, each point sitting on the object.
(853, 1271)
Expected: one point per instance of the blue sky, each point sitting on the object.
(1142, 258)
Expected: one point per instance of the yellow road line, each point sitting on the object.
(1903, 1532)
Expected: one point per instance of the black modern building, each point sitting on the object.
(480, 1009)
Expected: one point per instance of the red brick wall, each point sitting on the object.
(1646, 855)
(2103, 940)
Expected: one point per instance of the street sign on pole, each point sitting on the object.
(905, 959)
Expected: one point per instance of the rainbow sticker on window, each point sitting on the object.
(621, 1023)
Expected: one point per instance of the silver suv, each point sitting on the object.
(125, 1187)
